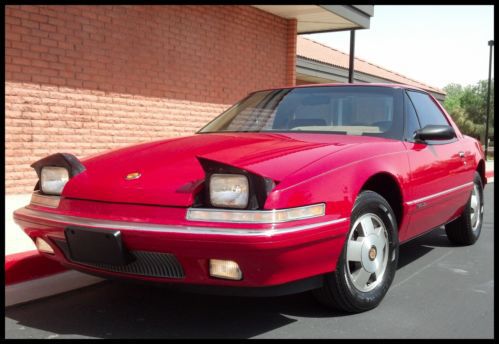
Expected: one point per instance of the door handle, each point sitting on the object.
(461, 154)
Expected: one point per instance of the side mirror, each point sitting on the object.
(434, 132)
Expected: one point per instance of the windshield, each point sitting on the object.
(348, 110)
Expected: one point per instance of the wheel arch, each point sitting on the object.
(388, 187)
(481, 171)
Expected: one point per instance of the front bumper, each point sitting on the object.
(268, 254)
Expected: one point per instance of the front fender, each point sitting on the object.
(340, 186)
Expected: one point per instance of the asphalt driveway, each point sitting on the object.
(440, 291)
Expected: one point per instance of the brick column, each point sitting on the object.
(291, 53)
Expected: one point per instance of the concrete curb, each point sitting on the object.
(489, 171)
(47, 286)
(25, 266)
(30, 275)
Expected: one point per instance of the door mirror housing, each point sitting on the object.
(434, 132)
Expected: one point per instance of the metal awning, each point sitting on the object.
(323, 18)
(316, 72)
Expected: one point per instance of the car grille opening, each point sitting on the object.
(146, 263)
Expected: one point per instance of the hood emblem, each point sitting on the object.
(133, 175)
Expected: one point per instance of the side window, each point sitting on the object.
(412, 122)
(427, 110)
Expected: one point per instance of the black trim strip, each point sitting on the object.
(290, 288)
(66, 160)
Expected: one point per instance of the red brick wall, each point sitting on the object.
(291, 52)
(83, 79)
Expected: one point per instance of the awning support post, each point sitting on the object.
(352, 53)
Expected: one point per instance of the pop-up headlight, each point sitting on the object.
(229, 190)
(53, 179)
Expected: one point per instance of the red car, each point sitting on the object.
(291, 189)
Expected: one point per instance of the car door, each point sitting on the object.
(438, 185)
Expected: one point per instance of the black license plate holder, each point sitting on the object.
(96, 246)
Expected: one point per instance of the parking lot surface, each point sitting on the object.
(439, 291)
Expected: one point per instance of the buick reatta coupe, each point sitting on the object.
(308, 188)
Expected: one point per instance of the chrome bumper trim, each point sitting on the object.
(140, 226)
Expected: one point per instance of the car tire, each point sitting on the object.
(466, 229)
(347, 289)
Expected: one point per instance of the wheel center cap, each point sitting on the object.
(372, 253)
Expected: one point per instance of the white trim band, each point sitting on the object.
(439, 194)
(140, 226)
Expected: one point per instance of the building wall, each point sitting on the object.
(303, 82)
(84, 79)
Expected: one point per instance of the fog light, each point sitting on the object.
(43, 246)
(225, 269)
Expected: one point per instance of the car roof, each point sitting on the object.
(360, 84)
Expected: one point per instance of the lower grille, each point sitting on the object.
(146, 263)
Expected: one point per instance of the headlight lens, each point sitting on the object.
(229, 190)
(53, 179)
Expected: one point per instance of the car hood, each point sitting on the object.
(171, 175)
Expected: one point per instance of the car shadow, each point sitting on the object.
(420, 246)
(118, 309)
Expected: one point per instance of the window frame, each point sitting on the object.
(407, 136)
(428, 142)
